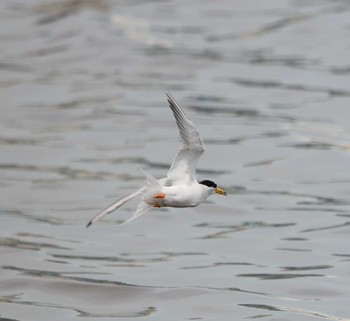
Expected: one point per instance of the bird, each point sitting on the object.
(180, 187)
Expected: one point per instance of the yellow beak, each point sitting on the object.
(220, 191)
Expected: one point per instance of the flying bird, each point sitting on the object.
(180, 187)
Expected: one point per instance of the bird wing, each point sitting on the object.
(183, 167)
(115, 205)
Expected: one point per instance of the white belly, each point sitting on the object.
(177, 196)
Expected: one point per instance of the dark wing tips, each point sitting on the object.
(175, 107)
(180, 117)
(188, 131)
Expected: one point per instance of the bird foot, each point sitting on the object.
(156, 205)
(159, 195)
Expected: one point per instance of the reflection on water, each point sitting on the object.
(83, 108)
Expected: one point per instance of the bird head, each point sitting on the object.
(213, 187)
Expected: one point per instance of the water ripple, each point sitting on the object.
(330, 227)
(307, 268)
(295, 310)
(33, 217)
(63, 276)
(216, 264)
(81, 313)
(278, 276)
(297, 87)
(229, 229)
(132, 260)
(26, 245)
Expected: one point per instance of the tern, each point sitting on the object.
(180, 187)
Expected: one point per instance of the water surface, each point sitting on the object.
(83, 107)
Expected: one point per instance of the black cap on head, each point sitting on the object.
(208, 183)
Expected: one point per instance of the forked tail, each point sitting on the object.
(141, 209)
(111, 208)
(151, 183)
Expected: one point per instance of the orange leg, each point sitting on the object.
(159, 195)
(156, 205)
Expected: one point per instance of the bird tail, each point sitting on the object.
(151, 185)
(115, 205)
(141, 209)
(151, 182)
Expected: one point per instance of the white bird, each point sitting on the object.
(180, 187)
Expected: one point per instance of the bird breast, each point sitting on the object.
(178, 196)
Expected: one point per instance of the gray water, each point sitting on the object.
(83, 107)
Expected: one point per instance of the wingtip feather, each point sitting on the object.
(170, 98)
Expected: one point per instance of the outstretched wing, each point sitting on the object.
(183, 168)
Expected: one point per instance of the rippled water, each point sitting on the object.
(83, 107)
